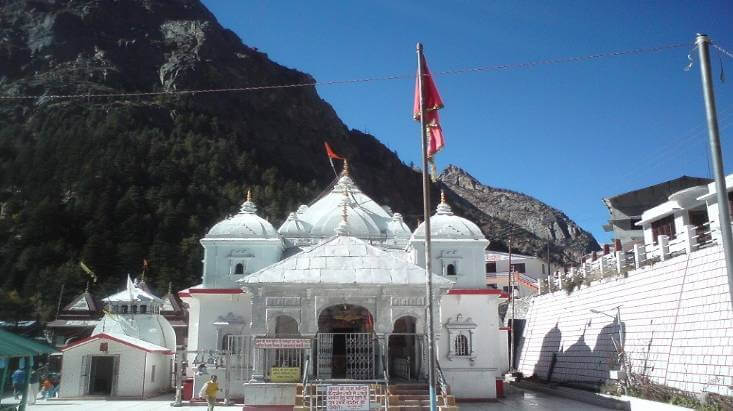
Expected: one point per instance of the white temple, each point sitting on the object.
(343, 282)
(129, 353)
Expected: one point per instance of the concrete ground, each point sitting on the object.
(530, 401)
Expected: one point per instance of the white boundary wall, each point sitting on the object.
(676, 315)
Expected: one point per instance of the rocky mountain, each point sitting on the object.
(531, 224)
(113, 180)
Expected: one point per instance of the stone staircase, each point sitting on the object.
(402, 397)
(411, 397)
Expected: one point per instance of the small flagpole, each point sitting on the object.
(426, 213)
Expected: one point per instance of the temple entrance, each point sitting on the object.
(346, 348)
(404, 350)
(100, 378)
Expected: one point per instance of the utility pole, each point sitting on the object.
(703, 44)
(511, 298)
(426, 213)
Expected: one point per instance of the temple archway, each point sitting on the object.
(346, 346)
(345, 318)
(404, 349)
(286, 325)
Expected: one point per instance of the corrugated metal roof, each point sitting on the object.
(12, 346)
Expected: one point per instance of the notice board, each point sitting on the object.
(347, 397)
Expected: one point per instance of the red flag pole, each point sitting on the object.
(426, 212)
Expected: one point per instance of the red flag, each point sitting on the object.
(330, 153)
(433, 103)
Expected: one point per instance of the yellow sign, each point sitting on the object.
(285, 374)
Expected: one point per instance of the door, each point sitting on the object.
(100, 377)
(325, 355)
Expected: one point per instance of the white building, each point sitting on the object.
(527, 271)
(694, 209)
(343, 282)
(129, 353)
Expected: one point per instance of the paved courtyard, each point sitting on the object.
(529, 401)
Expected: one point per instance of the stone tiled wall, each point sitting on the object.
(675, 316)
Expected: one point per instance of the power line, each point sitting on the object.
(726, 52)
(497, 67)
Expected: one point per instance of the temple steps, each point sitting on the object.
(401, 397)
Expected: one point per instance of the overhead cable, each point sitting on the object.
(498, 67)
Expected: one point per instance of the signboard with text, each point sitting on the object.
(275, 343)
(347, 397)
(284, 374)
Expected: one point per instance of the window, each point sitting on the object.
(461, 346)
(460, 337)
(450, 270)
(519, 268)
(239, 269)
(134, 309)
(664, 226)
(730, 203)
(491, 267)
(543, 268)
(143, 309)
(152, 374)
(505, 288)
(123, 309)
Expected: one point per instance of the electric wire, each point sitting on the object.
(497, 67)
(724, 51)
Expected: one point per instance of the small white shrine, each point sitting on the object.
(129, 353)
(338, 293)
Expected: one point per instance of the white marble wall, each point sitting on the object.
(676, 315)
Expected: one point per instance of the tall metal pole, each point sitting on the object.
(511, 298)
(426, 212)
(703, 42)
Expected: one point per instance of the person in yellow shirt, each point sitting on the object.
(209, 391)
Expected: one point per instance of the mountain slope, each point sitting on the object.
(531, 223)
(112, 181)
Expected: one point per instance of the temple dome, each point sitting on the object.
(245, 224)
(397, 227)
(294, 227)
(445, 225)
(365, 218)
(359, 222)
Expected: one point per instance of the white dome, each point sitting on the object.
(447, 226)
(245, 224)
(365, 218)
(294, 227)
(397, 227)
(359, 222)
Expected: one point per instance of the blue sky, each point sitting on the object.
(567, 134)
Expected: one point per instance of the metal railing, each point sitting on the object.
(442, 382)
(621, 262)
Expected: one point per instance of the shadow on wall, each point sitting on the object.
(548, 354)
(580, 363)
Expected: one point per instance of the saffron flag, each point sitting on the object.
(332, 155)
(432, 103)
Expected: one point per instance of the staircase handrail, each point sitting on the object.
(441, 379)
(305, 371)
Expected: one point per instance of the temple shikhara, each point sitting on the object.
(338, 293)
